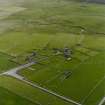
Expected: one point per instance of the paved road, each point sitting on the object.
(102, 101)
(14, 73)
(51, 92)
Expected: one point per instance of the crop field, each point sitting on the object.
(52, 52)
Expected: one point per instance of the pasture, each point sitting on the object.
(43, 29)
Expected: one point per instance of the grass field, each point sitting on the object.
(5, 63)
(12, 98)
(33, 95)
(41, 26)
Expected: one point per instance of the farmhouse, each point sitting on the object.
(67, 53)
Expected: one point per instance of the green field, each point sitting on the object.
(35, 96)
(5, 62)
(41, 26)
(12, 98)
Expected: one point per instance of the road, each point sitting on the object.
(14, 73)
(102, 101)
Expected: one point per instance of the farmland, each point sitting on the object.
(52, 52)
